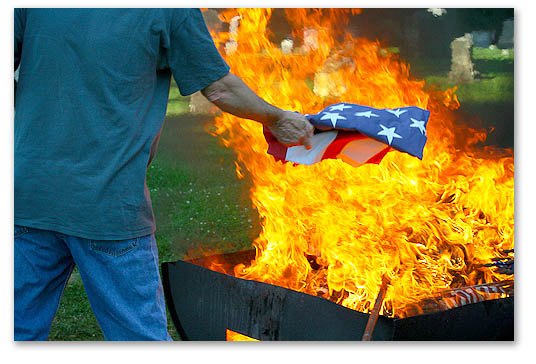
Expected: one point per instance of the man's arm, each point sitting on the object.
(232, 95)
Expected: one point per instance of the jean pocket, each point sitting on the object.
(19, 230)
(114, 248)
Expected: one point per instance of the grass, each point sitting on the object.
(496, 88)
(494, 81)
(488, 101)
(493, 54)
(199, 207)
(200, 204)
(74, 320)
(177, 104)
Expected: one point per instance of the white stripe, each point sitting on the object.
(319, 142)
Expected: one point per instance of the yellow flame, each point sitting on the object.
(235, 336)
(334, 230)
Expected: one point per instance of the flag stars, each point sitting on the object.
(389, 133)
(396, 112)
(339, 107)
(418, 124)
(333, 117)
(367, 114)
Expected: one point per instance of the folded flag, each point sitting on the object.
(360, 135)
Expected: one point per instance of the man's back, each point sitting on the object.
(91, 99)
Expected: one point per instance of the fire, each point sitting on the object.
(334, 230)
(235, 336)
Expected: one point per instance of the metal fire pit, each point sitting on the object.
(203, 304)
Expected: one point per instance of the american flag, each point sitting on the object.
(359, 135)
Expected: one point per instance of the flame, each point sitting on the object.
(334, 230)
(235, 336)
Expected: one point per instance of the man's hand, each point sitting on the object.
(292, 128)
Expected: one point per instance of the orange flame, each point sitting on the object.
(235, 336)
(334, 230)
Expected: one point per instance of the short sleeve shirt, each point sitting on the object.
(90, 103)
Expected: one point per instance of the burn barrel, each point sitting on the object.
(204, 304)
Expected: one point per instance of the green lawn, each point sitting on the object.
(494, 81)
(75, 320)
(199, 203)
(488, 101)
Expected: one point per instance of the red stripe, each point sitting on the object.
(278, 150)
(343, 138)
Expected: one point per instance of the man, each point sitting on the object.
(90, 104)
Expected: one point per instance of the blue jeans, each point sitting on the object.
(121, 279)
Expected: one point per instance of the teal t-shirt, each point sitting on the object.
(90, 103)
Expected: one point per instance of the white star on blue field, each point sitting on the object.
(333, 117)
(339, 107)
(418, 124)
(389, 133)
(396, 112)
(367, 114)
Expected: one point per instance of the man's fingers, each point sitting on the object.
(310, 133)
(293, 129)
(306, 141)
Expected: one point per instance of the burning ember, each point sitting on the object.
(336, 231)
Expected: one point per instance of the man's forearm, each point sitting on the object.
(232, 95)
